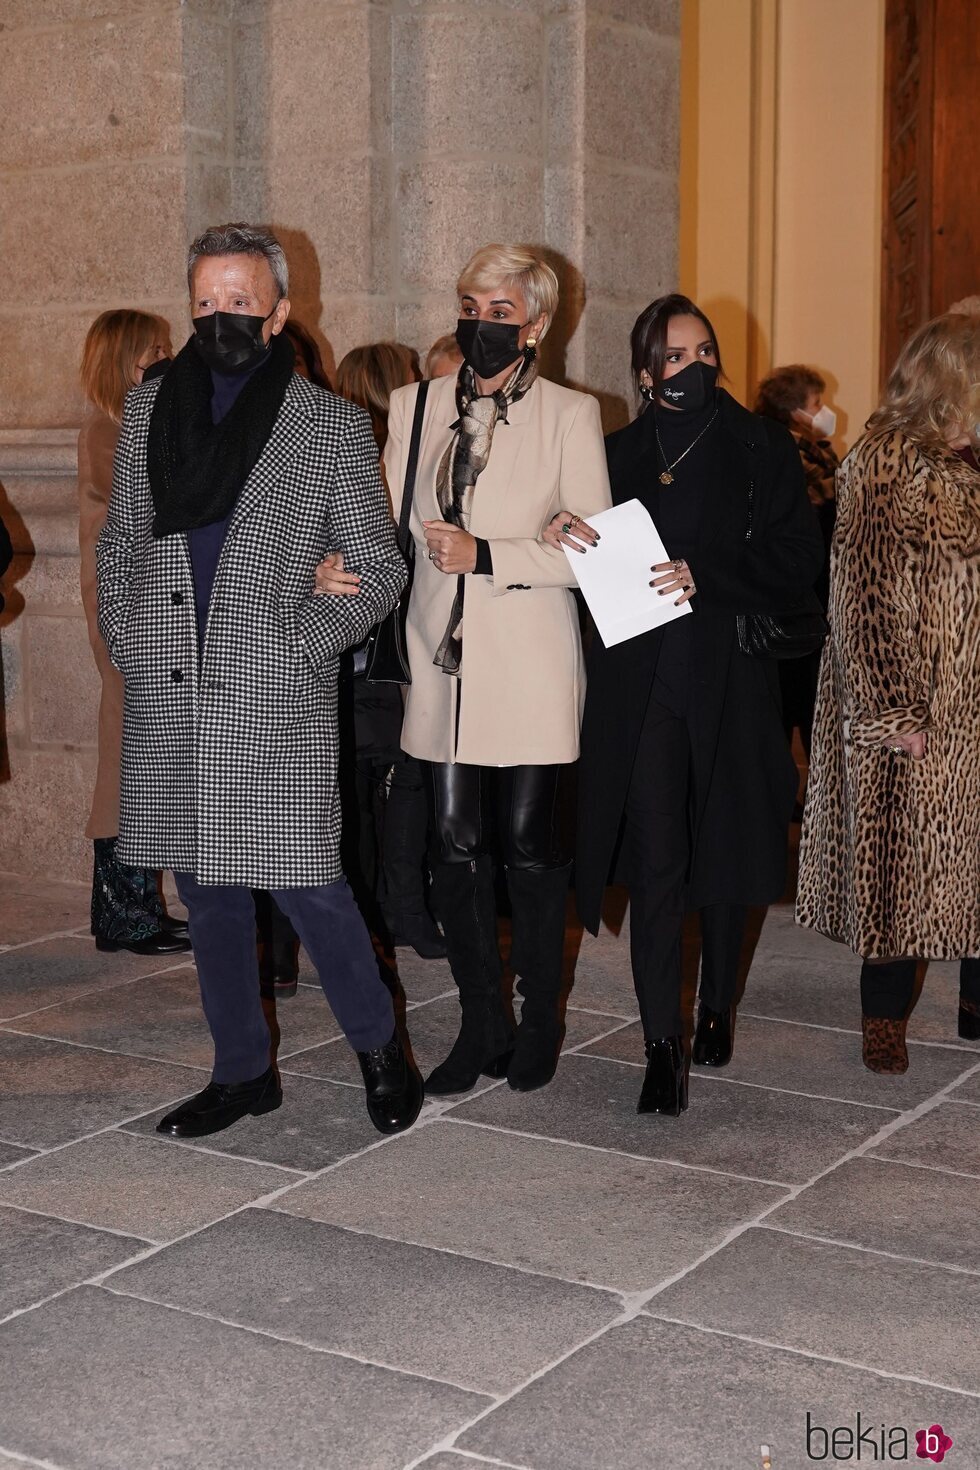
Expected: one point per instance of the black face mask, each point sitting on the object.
(229, 342)
(692, 387)
(488, 347)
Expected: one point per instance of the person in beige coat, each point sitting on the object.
(890, 853)
(127, 912)
(495, 703)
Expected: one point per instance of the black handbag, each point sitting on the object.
(780, 635)
(385, 652)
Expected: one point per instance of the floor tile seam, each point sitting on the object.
(115, 1127)
(473, 1458)
(313, 1077)
(782, 1347)
(98, 989)
(313, 1347)
(29, 1460)
(607, 1015)
(448, 1442)
(953, 1045)
(576, 1051)
(913, 1164)
(455, 1251)
(144, 1240)
(870, 1250)
(620, 1153)
(8, 1030)
(80, 932)
(965, 1102)
(707, 1074)
(193, 1146)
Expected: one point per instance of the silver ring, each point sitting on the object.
(678, 564)
(897, 749)
(432, 556)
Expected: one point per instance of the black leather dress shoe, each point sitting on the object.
(160, 943)
(221, 1104)
(665, 1084)
(712, 1045)
(968, 1026)
(393, 1087)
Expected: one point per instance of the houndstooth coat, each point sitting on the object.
(229, 767)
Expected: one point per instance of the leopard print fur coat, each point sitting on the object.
(890, 852)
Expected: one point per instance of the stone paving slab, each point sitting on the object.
(432, 1030)
(742, 1130)
(53, 1092)
(890, 1315)
(948, 1137)
(33, 907)
(891, 1207)
(161, 1017)
(581, 1214)
(60, 969)
(318, 1123)
(432, 1312)
(154, 1189)
(11, 1154)
(810, 1059)
(655, 1396)
(129, 1384)
(968, 1091)
(39, 1256)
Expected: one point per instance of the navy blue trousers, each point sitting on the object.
(221, 920)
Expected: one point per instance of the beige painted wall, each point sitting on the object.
(781, 187)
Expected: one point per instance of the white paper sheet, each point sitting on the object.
(615, 576)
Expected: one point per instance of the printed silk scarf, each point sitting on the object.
(462, 464)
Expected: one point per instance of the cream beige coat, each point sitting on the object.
(96, 447)
(520, 695)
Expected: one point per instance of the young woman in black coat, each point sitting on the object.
(686, 783)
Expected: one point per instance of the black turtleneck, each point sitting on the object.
(676, 511)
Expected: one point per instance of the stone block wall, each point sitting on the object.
(385, 140)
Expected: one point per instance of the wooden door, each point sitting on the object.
(931, 212)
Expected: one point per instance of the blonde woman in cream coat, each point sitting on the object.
(495, 703)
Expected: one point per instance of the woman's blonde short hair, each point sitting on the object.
(443, 349)
(369, 375)
(115, 343)
(934, 386)
(514, 267)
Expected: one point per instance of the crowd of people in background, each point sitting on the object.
(841, 602)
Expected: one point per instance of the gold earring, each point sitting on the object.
(532, 341)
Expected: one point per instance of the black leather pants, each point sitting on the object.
(523, 800)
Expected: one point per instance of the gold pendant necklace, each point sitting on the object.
(666, 478)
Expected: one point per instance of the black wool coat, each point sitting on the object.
(743, 777)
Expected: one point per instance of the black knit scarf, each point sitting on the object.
(197, 468)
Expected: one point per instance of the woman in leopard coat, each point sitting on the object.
(890, 856)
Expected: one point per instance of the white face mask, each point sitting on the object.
(824, 422)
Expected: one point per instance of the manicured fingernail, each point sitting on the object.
(661, 591)
(597, 539)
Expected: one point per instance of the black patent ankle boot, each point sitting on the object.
(712, 1045)
(665, 1084)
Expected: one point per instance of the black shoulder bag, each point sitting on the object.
(386, 656)
(780, 635)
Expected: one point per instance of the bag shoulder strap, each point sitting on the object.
(411, 469)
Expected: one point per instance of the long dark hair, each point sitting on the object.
(305, 345)
(648, 339)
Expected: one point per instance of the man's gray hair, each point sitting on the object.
(240, 240)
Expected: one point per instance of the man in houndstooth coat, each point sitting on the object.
(233, 477)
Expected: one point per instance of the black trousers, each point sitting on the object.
(887, 986)
(523, 800)
(659, 850)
